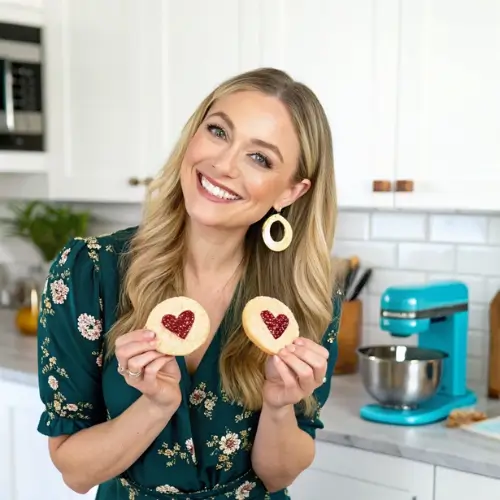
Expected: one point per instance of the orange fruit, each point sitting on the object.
(27, 321)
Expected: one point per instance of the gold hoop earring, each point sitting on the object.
(272, 244)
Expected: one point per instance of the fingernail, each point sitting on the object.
(291, 348)
(149, 334)
(298, 342)
(153, 343)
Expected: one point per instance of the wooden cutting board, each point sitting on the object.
(494, 354)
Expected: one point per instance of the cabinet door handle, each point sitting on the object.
(404, 186)
(8, 97)
(135, 181)
(380, 186)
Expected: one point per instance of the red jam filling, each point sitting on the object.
(276, 325)
(180, 325)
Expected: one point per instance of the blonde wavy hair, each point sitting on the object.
(301, 276)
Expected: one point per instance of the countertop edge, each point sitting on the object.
(433, 458)
(19, 377)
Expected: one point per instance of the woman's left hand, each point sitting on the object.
(294, 373)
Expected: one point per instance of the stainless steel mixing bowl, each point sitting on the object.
(399, 376)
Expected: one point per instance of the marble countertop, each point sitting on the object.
(18, 353)
(434, 444)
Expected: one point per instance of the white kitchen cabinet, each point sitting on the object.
(344, 473)
(6, 483)
(458, 485)
(23, 4)
(347, 53)
(204, 47)
(449, 104)
(22, 11)
(411, 91)
(409, 87)
(26, 469)
(105, 83)
(124, 77)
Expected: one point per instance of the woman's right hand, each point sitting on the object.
(158, 375)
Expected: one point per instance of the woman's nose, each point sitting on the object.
(226, 163)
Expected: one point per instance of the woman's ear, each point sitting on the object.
(293, 193)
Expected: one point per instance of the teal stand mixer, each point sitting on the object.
(419, 385)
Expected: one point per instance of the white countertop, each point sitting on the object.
(434, 444)
(18, 354)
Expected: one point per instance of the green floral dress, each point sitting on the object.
(204, 451)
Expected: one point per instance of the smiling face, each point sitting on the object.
(241, 161)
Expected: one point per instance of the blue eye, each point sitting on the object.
(217, 131)
(261, 159)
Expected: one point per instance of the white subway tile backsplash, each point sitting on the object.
(476, 371)
(475, 284)
(15, 250)
(384, 278)
(426, 257)
(478, 317)
(492, 287)
(494, 231)
(371, 310)
(401, 227)
(373, 335)
(370, 253)
(432, 247)
(481, 260)
(402, 248)
(477, 344)
(458, 229)
(353, 226)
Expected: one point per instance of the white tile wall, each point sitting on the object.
(19, 255)
(414, 248)
(401, 247)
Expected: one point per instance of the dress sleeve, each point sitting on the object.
(70, 343)
(308, 424)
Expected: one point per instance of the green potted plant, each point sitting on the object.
(47, 226)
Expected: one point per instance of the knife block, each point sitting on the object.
(348, 337)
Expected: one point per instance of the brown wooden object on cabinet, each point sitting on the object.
(382, 186)
(348, 337)
(404, 186)
(494, 354)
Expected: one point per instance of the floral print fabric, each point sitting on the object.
(204, 452)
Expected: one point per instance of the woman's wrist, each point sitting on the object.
(277, 413)
(159, 412)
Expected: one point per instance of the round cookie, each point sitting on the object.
(181, 326)
(269, 324)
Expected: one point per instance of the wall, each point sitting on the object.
(401, 247)
(412, 247)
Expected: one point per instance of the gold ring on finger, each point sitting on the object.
(134, 374)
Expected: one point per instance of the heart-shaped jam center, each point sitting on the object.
(180, 325)
(275, 324)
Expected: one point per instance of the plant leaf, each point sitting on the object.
(48, 227)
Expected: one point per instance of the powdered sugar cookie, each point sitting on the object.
(181, 326)
(269, 324)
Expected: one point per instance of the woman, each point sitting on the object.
(226, 421)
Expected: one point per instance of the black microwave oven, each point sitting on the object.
(21, 88)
